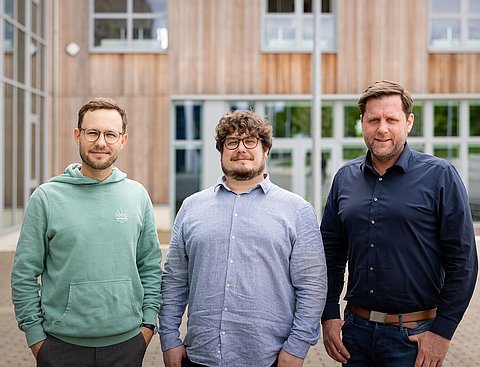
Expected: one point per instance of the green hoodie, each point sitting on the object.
(95, 246)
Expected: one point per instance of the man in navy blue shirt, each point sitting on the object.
(402, 221)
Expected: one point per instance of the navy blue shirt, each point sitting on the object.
(407, 235)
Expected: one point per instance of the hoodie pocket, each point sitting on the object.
(98, 309)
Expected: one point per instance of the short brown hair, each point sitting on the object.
(243, 121)
(385, 88)
(102, 103)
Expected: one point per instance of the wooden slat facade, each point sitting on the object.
(215, 48)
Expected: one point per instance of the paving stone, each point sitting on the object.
(464, 350)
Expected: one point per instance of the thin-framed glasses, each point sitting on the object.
(110, 136)
(249, 142)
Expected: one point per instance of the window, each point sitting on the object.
(187, 150)
(454, 25)
(288, 25)
(352, 125)
(474, 119)
(129, 25)
(445, 118)
(417, 129)
(23, 100)
(474, 180)
(289, 119)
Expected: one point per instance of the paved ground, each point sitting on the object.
(464, 351)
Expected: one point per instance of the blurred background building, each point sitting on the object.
(178, 65)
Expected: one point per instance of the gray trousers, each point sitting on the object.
(56, 353)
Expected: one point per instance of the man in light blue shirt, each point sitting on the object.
(247, 257)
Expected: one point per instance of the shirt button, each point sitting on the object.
(235, 215)
(371, 290)
(222, 332)
(228, 285)
(230, 261)
(373, 222)
(375, 199)
(380, 179)
(239, 196)
(233, 237)
(219, 345)
(218, 352)
(372, 245)
(225, 309)
(371, 268)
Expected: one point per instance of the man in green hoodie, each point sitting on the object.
(89, 234)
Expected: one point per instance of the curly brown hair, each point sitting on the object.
(102, 103)
(240, 122)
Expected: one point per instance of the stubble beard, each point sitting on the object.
(386, 154)
(243, 174)
(97, 165)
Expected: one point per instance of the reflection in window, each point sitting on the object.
(352, 125)
(9, 188)
(326, 176)
(187, 173)
(288, 25)
(417, 129)
(289, 119)
(9, 7)
(8, 50)
(454, 24)
(445, 116)
(188, 122)
(118, 29)
(280, 168)
(327, 120)
(242, 105)
(475, 119)
(474, 180)
(281, 6)
(448, 152)
(352, 152)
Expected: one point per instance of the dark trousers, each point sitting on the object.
(186, 362)
(56, 353)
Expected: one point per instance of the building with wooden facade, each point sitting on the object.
(177, 66)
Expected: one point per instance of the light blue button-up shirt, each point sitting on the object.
(251, 268)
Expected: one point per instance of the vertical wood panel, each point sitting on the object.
(382, 39)
(215, 47)
(454, 73)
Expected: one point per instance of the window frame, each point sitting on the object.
(130, 16)
(463, 17)
(298, 19)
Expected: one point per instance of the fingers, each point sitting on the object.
(337, 351)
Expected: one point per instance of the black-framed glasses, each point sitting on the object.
(110, 136)
(249, 142)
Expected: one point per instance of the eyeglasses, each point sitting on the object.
(249, 142)
(110, 136)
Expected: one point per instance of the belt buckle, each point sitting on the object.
(379, 317)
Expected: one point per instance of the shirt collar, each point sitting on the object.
(402, 161)
(265, 185)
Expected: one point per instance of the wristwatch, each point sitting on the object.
(154, 328)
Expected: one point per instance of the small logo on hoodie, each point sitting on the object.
(121, 215)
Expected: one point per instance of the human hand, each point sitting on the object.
(36, 347)
(147, 334)
(285, 359)
(332, 340)
(173, 357)
(432, 349)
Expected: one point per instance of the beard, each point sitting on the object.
(243, 173)
(98, 165)
(385, 154)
